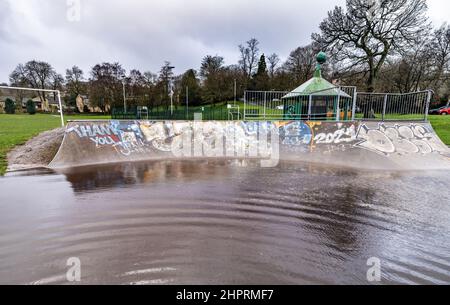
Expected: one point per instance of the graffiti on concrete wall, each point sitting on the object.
(100, 134)
(329, 137)
(398, 139)
(181, 139)
(124, 138)
(254, 139)
(334, 133)
(381, 138)
(295, 136)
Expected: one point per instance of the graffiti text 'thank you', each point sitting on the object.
(84, 131)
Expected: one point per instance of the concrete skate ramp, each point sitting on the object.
(364, 145)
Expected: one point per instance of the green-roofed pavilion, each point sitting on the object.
(317, 97)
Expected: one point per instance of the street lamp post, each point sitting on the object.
(235, 90)
(124, 98)
(171, 101)
(187, 102)
(171, 90)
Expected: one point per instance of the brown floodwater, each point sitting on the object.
(224, 222)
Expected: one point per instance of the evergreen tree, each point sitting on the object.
(190, 81)
(10, 106)
(31, 107)
(261, 78)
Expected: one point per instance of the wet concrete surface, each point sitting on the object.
(224, 222)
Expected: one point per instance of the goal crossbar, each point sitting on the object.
(41, 90)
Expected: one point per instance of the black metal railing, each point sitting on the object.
(209, 112)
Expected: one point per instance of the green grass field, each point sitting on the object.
(441, 125)
(19, 128)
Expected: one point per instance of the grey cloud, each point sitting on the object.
(142, 34)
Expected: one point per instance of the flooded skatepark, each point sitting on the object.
(224, 222)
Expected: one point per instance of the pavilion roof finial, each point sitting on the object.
(321, 59)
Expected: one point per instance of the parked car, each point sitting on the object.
(444, 111)
(438, 111)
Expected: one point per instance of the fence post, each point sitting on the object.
(383, 115)
(245, 103)
(265, 103)
(427, 107)
(309, 107)
(338, 108)
(354, 104)
(60, 108)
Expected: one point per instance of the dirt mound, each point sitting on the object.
(37, 152)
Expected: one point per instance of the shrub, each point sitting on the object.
(31, 107)
(10, 106)
(86, 109)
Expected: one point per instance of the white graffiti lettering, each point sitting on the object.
(343, 135)
(84, 131)
(398, 139)
(102, 141)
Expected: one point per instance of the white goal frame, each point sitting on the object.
(41, 90)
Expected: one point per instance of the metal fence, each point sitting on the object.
(389, 106)
(208, 112)
(338, 103)
(331, 104)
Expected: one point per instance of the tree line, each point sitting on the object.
(376, 45)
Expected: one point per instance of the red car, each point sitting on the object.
(444, 111)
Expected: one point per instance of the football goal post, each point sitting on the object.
(58, 93)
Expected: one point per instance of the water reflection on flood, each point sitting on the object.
(224, 222)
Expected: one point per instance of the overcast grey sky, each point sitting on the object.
(143, 34)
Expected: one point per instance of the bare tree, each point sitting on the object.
(423, 65)
(273, 60)
(56, 83)
(301, 62)
(410, 72)
(150, 82)
(135, 84)
(17, 80)
(105, 85)
(150, 78)
(249, 57)
(74, 80)
(440, 46)
(36, 74)
(371, 30)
